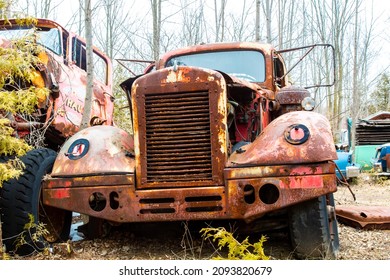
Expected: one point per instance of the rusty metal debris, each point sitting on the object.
(364, 217)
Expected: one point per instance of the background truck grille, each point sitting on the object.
(178, 138)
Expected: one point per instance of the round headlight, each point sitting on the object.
(296, 134)
(308, 103)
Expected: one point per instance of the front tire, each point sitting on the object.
(20, 200)
(313, 229)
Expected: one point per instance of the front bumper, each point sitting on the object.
(248, 193)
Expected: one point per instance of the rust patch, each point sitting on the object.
(110, 150)
(364, 217)
(279, 170)
(271, 147)
(180, 128)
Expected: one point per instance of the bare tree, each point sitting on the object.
(257, 25)
(40, 8)
(111, 35)
(81, 22)
(240, 25)
(219, 20)
(89, 90)
(156, 15)
(355, 92)
(267, 10)
(330, 21)
(192, 23)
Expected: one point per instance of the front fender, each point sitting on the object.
(96, 150)
(272, 148)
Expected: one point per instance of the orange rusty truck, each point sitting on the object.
(219, 133)
(62, 70)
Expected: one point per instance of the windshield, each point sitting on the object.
(244, 64)
(48, 37)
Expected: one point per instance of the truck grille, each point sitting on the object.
(178, 138)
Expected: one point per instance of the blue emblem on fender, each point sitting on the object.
(78, 149)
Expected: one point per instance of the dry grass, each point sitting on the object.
(358, 244)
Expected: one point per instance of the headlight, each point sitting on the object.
(308, 103)
(296, 134)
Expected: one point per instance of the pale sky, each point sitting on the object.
(381, 11)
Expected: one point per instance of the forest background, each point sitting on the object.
(134, 29)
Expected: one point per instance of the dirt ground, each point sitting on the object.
(182, 241)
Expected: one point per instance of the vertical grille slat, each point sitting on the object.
(178, 137)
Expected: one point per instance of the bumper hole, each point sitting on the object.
(249, 194)
(269, 194)
(114, 200)
(97, 201)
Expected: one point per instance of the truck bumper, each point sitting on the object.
(248, 193)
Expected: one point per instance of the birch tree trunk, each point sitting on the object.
(219, 20)
(156, 13)
(80, 25)
(109, 29)
(355, 93)
(268, 16)
(257, 28)
(89, 90)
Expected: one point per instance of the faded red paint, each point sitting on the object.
(297, 133)
(60, 193)
(305, 170)
(308, 182)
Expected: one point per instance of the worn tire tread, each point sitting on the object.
(16, 197)
(309, 230)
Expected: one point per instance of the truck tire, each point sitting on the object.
(20, 198)
(313, 229)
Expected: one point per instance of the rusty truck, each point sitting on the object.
(219, 133)
(62, 70)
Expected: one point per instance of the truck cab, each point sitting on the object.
(62, 72)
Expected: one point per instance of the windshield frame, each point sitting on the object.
(211, 59)
(25, 30)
